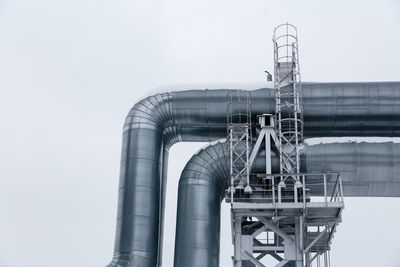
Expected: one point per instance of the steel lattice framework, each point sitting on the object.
(239, 138)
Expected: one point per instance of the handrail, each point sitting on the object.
(303, 173)
(268, 190)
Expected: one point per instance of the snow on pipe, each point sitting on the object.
(370, 170)
(157, 122)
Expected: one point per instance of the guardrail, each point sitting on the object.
(293, 188)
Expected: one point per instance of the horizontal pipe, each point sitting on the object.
(367, 169)
(157, 122)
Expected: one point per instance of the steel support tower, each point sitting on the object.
(277, 213)
(239, 140)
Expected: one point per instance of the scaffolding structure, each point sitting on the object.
(239, 139)
(277, 214)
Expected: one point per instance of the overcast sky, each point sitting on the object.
(70, 70)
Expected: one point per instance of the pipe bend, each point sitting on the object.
(146, 131)
(208, 166)
(201, 190)
(156, 113)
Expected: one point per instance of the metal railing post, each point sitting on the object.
(304, 191)
(341, 187)
(231, 168)
(325, 189)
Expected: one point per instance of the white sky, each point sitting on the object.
(70, 71)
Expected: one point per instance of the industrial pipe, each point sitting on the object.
(201, 190)
(159, 121)
(367, 169)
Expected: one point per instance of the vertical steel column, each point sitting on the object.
(238, 242)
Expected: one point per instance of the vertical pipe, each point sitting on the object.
(201, 189)
(138, 217)
(198, 224)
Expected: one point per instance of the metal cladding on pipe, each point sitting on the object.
(159, 121)
(370, 169)
(201, 190)
(367, 169)
(140, 191)
(351, 109)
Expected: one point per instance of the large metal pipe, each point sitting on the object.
(157, 122)
(201, 190)
(368, 169)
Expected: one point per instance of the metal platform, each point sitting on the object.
(295, 227)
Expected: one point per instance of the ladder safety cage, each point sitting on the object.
(288, 109)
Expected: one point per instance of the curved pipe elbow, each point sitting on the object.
(201, 190)
(156, 113)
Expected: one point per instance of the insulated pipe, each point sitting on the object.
(201, 190)
(157, 122)
(368, 169)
